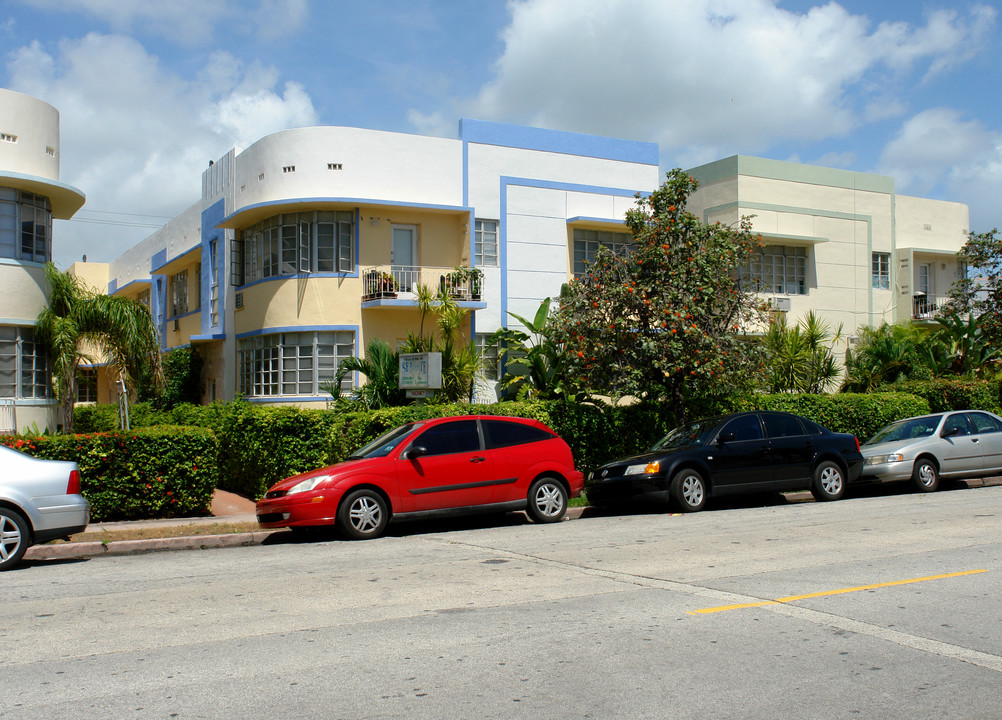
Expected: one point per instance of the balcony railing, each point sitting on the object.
(927, 307)
(394, 281)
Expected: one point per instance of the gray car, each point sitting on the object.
(960, 444)
(40, 500)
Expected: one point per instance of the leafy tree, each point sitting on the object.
(885, 354)
(980, 291)
(801, 358)
(667, 319)
(961, 346)
(79, 320)
(182, 369)
(381, 367)
(535, 365)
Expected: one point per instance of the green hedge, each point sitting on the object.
(858, 414)
(159, 472)
(945, 395)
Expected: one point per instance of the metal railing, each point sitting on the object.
(390, 281)
(8, 420)
(927, 307)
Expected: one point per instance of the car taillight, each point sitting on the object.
(857, 443)
(73, 487)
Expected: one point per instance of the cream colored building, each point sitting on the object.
(311, 242)
(840, 243)
(31, 196)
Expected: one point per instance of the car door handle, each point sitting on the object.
(477, 459)
(974, 440)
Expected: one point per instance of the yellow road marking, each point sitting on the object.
(841, 591)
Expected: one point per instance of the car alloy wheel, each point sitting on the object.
(547, 501)
(363, 514)
(688, 490)
(14, 538)
(829, 482)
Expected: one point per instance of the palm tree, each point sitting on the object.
(77, 318)
(802, 357)
(381, 368)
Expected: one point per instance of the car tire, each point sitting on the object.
(547, 500)
(925, 476)
(829, 482)
(688, 490)
(363, 515)
(14, 538)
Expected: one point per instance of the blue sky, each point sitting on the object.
(149, 92)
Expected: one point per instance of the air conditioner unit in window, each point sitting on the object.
(780, 304)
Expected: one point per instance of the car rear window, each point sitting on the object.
(779, 425)
(501, 433)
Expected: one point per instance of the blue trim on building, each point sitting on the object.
(165, 262)
(301, 328)
(158, 260)
(356, 202)
(210, 219)
(483, 132)
(300, 276)
(604, 221)
(217, 336)
(114, 284)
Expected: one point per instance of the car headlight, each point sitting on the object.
(884, 459)
(307, 484)
(643, 468)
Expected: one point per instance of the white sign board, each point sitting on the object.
(421, 371)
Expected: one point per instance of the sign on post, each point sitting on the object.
(420, 373)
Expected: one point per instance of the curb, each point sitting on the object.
(65, 551)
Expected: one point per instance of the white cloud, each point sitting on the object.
(706, 78)
(190, 22)
(940, 152)
(135, 137)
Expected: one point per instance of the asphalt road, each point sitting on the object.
(613, 616)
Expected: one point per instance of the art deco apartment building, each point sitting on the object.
(311, 242)
(31, 196)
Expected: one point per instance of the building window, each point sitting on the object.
(489, 357)
(214, 283)
(776, 269)
(881, 264)
(198, 286)
(25, 226)
(294, 243)
(293, 364)
(179, 293)
(143, 298)
(24, 365)
(486, 243)
(587, 243)
(86, 385)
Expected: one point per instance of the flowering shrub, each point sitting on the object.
(157, 472)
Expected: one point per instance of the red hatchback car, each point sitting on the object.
(442, 466)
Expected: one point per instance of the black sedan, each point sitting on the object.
(737, 453)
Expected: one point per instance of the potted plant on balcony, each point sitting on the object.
(377, 285)
(464, 283)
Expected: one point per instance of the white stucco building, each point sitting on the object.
(31, 195)
(310, 243)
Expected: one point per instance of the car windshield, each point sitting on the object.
(692, 434)
(910, 429)
(385, 443)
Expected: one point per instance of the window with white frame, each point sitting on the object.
(24, 365)
(179, 293)
(214, 282)
(587, 243)
(25, 226)
(295, 243)
(485, 243)
(776, 269)
(881, 265)
(490, 364)
(293, 364)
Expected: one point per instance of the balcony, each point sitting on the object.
(927, 307)
(398, 284)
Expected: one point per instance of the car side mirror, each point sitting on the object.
(725, 437)
(414, 452)
(950, 432)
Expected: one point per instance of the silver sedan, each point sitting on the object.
(961, 444)
(40, 500)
